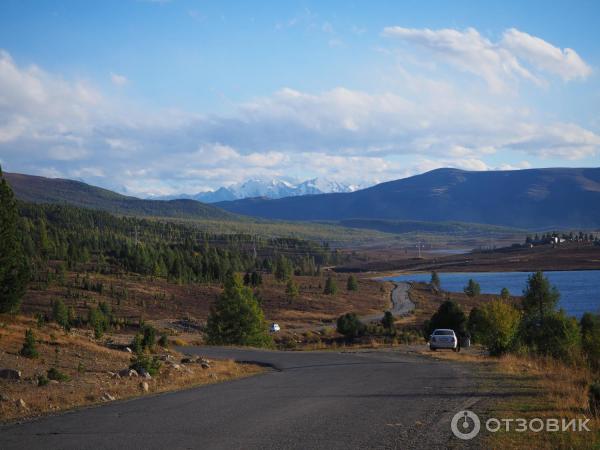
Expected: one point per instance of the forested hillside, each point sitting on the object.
(59, 237)
(60, 191)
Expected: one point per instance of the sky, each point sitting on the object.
(158, 97)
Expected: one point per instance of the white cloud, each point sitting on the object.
(500, 64)
(565, 63)
(118, 80)
(58, 127)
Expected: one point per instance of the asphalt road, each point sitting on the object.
(329, 400)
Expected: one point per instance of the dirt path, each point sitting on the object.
(401, 303)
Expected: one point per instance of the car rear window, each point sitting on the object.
(444, 333)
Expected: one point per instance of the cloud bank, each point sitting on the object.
(69, 128)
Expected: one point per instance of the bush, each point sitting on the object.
(55, 374)
(29, 349)
(137, 344)
(499, 326)
(476, 324)
(594, 399)
(590, 338)
(556, 335)
(350, 326)
(472, 289)
(435, 282)
(164, 340)
(42, 380)
(145, 362)
(449, 315)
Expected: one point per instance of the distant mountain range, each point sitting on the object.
(272, 189)
(532, 198)
(56, 190)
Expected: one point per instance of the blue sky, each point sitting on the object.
(158, 97)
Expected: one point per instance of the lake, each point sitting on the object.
(579, 290)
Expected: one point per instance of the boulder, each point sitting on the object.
(108, 398)
(21, 403)
(144, 386)
(205, 365)
(186, 360)
(10, 374)
(4, 398)
(133, 373)
(144, 374)
(128, 350)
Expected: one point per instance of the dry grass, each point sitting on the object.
(88, 364)
(529, 388)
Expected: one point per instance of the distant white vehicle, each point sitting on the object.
(443, 338)
(275, 328)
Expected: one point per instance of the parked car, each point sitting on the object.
(275, 328)
(443, 338)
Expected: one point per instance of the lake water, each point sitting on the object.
(579, 290)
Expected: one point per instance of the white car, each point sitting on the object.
(275, 328)
(443, 338)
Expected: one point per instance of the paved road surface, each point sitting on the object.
(330, 400)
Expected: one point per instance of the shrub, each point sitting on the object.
(57, 375)
(350, 326)
(330, 286)
(145, 362)
(556, 335)
(505, 293)
(499, 326)
(472, 289)
(29, 349)
(594, 399)
(148, 337)
(590, 338)
(449, 315)
(476, 324)
(352, 283)
(137, 344)
(292, 289)
(42, 380)
(164, 340)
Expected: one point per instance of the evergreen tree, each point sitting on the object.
(539, 298)
(352, 283)
(330, 286)
(388, 321)
(236, 318)
(292, 289)
(283, 268)
(60, 313)
(472, 289)
(13, 264)
(29, 349)
(435, 281)
(505, 293)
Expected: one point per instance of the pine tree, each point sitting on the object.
(13, 264)
(29, 349)
(435, 281)
(236, 318)
(352, 284)
(472, 289)
(291, 289)
(330, 286)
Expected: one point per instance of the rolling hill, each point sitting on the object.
(36, 189)
(531, 198)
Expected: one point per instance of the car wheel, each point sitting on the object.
(433, 349)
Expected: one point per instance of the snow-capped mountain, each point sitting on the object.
(267, 188)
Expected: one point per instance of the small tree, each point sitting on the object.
(504, 294)
(449, 315)
(472, 289)
(291, 289)
(499, 326)
(148, 337)
(60, 313)
(283, 268)
(350, 326)
(352, 283)
(29, 349)
(476, 324)
(539, 297)
(388, 321)
(435, 281)
(330, 286)
(236, 318)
